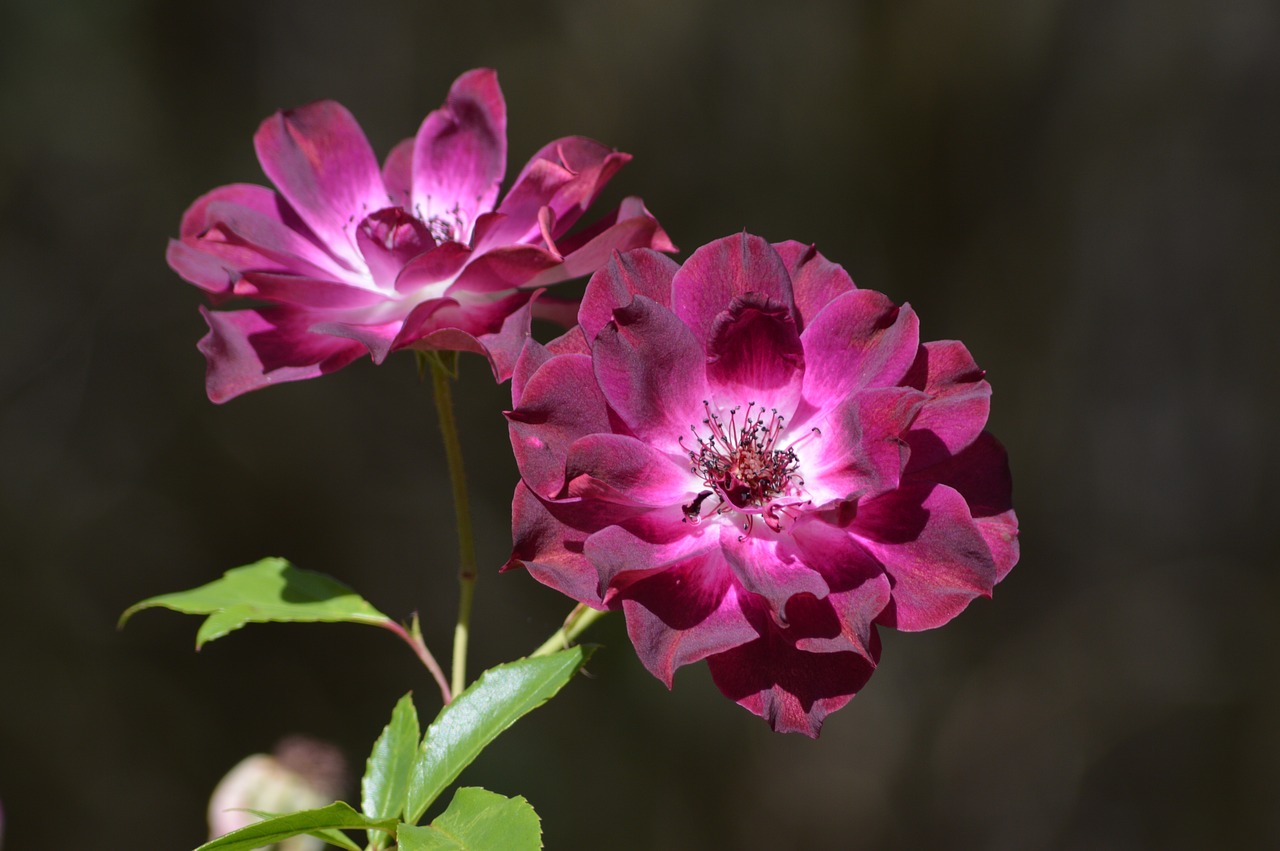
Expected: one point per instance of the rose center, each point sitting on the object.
(741, 464)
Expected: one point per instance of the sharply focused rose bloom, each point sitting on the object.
(351, 258)
(758, 463)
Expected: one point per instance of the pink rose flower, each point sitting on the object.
(350, 258)
(758, 463)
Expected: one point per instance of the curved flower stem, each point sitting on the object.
(466, 543)
(579, 619)
(413, 637)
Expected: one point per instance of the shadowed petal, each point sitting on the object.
(631, 227)
(791, 689)
(560, 404)
(960, 400)
(589, 166)
(550, 550)
(980, 472)
(684, 614)
(248, 349)
(932, 550)
(649, 541)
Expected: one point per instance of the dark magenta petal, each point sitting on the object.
(684, 614)
(306, 292)
(211, 271)
(859, 448)
(980, 472)
(517, 217)
(815, 280)
(504, 268)
(588, 166)
(717, 273)
(639, 272)
(397, 175)
(388, 239)
(860, 590)
(932, 550)
(648, 541)
(754, 354)
(498, 330)
(319, 159)
(959, 402)
(248, 349)
(859, 340)
(790, 688)
(378, 339)
(650, 369)
(629, 228)
(460, 152)
(600, 465)
(560, 404)
(561, 310)
(550, 550)
(770, 566)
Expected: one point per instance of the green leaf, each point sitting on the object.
(333, 837)
(271, 590)
(336, 816)
(477, 820)
(477, 716)
(386, 774)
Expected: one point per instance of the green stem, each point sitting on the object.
(579, 619)
(466, 542)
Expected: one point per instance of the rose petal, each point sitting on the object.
(769, 565)
(861, 339)
(631, 227)
(639, 272)
(460, 152)
(560, 404)
(931, 549)
(754, 354)
(718, 272)
(605, 465)
(650, 369)
(791, 689)
(815, 280)
(248, 349)
(960, 400)
(550, 550)
(684, 614)
(859, 448)
(319, 159)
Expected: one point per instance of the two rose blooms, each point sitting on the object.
(756, 461)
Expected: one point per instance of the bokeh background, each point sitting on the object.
(1087, 192)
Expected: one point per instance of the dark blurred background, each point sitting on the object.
(1087, 193)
